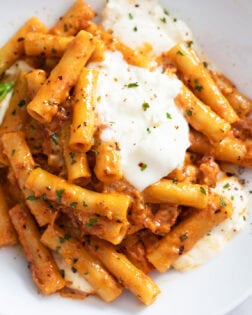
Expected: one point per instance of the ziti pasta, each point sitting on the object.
(113, 144)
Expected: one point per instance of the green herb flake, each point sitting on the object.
(57, 249)
(145, 106)
(84, 204)
(130, 15)
(59, 194)
(226, 186)
(203, 190)
(244, 218)
(5, 88)
(189, 112)
(197, 85)
(148, 130)
(142, 166)
(54, 138)
(21, 103)
(13, 151)
(168, 116)
(62, 272)
(99, 98)
(179, 52)
(135, 29)
(163, 19)
(132, 85)
(232, 198)
(166, 12)
(73, 204)
(32, 198)
(75, 260)
(72, 156)
(175, 181)
(222, 202)
(174, 20)
(91, 222)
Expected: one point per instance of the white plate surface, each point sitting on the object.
(223, 29)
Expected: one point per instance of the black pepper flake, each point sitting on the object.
(181, 249)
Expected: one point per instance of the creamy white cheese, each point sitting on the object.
(138, 107)
(135, 22)
(212, 243)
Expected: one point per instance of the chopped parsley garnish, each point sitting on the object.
(189, 112)
(148, 130)
(5, 88)
(166, 12)
(174, 20)
(244, 218)
(142, 166)
(65, 238)
(163, 20)
(13, 151)
(168, 116)
(232, 198)
(32, 198)
(145, 106)
(197, 86)
(72, 156)
(75, 260)
(175, 181)
(59, 194)
(226, 186)
(135, 29)
(222, 202)
(84, 204)
(54, 138)
(179, 52)
(131, 16)
(73, 204)
(91, 222)
(203, 190)
(132, 85)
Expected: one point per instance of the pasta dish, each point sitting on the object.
(117, 150)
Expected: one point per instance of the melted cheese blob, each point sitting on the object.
(138, 108)
(212, 243)
(135, 22)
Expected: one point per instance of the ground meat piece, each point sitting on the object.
(208, 171)
(161, 220)
(243, 128)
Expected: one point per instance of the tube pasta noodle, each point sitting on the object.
(7, 233)
(65, 178)
(182, 238)
(75, 19)
(46, 45)
(113, 205)
(107, 165)
(46, 102)
(21, 161)
(132, 278)
(192, 195)
(84, 121)
(45, 273)
(14, 48)
(201, 82)
(88, 266)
